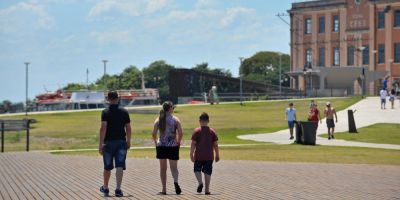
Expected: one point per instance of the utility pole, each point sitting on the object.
(87, 78)
(241, 80)
(280, 75)
(104, 76)
(26, 89)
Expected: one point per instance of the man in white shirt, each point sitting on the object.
(290, 116)
(383, 94)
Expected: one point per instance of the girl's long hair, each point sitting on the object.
(162, 119)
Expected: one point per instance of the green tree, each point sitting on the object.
(203, 67)
(130, 78)
(157, 76)
(74, 87)
(264, 67)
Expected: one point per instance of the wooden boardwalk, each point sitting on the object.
(37, 175)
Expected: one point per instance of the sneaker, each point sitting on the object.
(333, 137)
(207, 193)
(104, 190)
(118, 193)
(329, 137)
(177, 188)
(291, 137)
(200, 188)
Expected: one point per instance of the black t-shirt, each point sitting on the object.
(116, 119)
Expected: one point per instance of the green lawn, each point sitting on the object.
(80, 129)
(286, 153)
(377, 133)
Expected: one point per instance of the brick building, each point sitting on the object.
(344, 46)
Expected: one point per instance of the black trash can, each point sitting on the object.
(299, 133)
(309, 132)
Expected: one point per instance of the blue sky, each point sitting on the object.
(61, 38)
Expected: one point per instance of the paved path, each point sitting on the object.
(368, 113)
(38, 175)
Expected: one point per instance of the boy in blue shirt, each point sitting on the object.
(290, 116)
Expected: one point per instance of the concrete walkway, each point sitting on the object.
(367, 113)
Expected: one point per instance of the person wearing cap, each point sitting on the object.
(290, 117)
(167, 144)
(115, 140)
(330, 112)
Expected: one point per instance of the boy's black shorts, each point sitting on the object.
(203, 166)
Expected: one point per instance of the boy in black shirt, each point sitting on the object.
(115, 140)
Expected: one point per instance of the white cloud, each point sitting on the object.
(14, 17)
(127, 7)
(112, 37)
(232, 14)
(205, 3)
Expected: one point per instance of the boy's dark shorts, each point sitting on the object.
(203, 166)
(330, 123)
(171, 153)
(114, 150)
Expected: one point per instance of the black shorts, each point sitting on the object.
(330, 123)
(171, 153)
(203, 166)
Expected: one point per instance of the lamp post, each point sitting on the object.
(104, 76)
(307, 70)
(280, 75)
(241, 80)
(26, 89)
(374, 62)
(362, 48)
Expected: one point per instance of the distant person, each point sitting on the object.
(290, 117)
(167, 144)
(330, 112)
(314, 115)
(392, 97)
(383, 94)
(312, 103)
(204, 142)
(384, 82)
(115, 140)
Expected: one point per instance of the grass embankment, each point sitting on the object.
(377, 133)
(286, 153)
(79, 130)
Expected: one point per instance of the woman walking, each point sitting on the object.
(167, 144)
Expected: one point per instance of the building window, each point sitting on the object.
(336, 23)
(397, 52)
(381, 53)
(321, 60)
(308, 57)
(336, 56)
(350, 55)
(321, 27)
(381, 19)
(365, 55)
(308, 26)
(397, 18)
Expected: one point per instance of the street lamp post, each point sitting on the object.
(374, 69)
(26, 89)
(361, 48)
(280, 75)
(104, 76)
(241, 80)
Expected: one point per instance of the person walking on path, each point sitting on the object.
(330, 112)
(204, 142)
(167, 144)
(392, 96)
(290, 117)
(115, 140)
(314, 115)
(383, 94)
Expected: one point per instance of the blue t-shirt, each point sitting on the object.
(291, 114)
